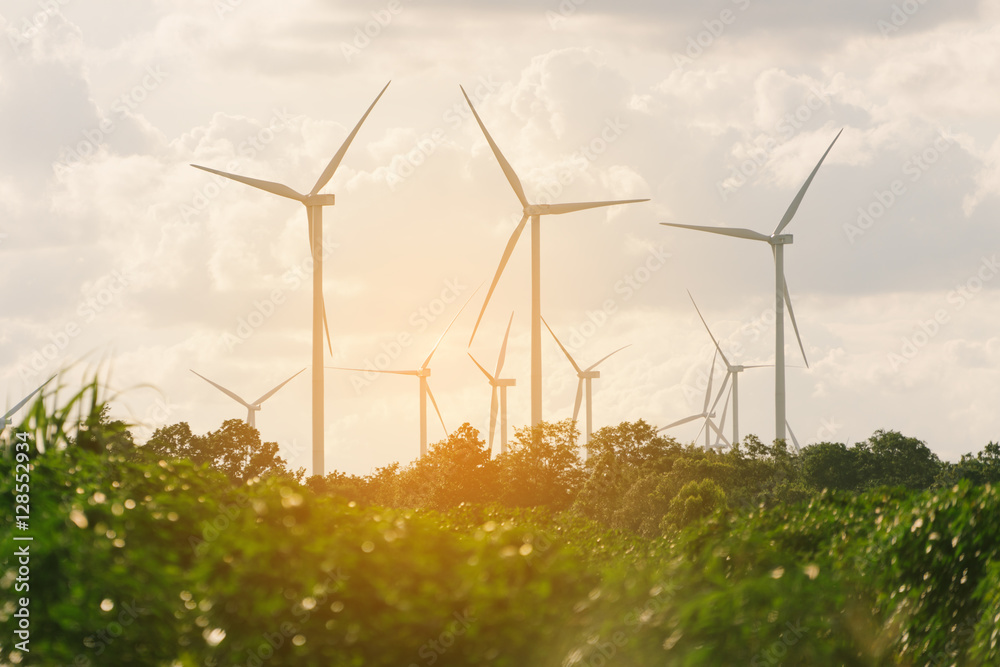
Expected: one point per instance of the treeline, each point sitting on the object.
(534, 558)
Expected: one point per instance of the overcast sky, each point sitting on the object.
(113, 248)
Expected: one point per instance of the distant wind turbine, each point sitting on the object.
(706, 413)
(7, 421)
(586, 376)
(423, 373)
(314, 203)
(732, 372)
(533, 211)
(777, 240)
(252, 408)
(499, 392)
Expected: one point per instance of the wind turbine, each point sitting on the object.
(777, 240)
(533, 211)
(732, 372)
(7, 421)
(499, 391)
(586, 376)
(252, 408)
(705, 413)
(423, 373)
(314, 203)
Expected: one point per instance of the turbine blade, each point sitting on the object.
(715, 428)
(792, 433)
(725, 409)
(708, 392)
(268, 186)
(565, 351)
(760, 366)
(558, 209)
(579, 399)
(723, 354)
(271, 393)
(794, 206)
(494, 408)
(722, 390)
(593, 366)
(496, 278)
(372, 370)
(335, 162)
(430, 394)
(480, 367)
(681, 421)
(503, 347)
(795, 326)
(20, 404)
(725, 231)
(702, 429)
(507, 169)
(445, 333)
(223, 390)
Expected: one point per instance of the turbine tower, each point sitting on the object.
(7, 421)
(499, 391)
(705, 413)
(314, 203)
(586, 376)
(423, 373)
(534, 212)
(777, 240)
(252, 408)
(732, 372)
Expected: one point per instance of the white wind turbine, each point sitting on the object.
(732, 373)
(7, 421)
(706, 412)
(586, 376)
(423, 373)
(314, 203)
(534, 212)
(499, 392)
(252, 408)
(777, 240)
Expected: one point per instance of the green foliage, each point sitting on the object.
(235, 449)
(164, 562)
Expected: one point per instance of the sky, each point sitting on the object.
(117, 255)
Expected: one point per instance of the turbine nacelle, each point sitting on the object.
(318, 200)
(781, 239)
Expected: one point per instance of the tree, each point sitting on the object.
(832, 465)
(541, 467)
(235, 449)
(982, 468)
(891, 459)
(694, 501)
(454, 471)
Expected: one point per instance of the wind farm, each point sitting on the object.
(446, 485)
